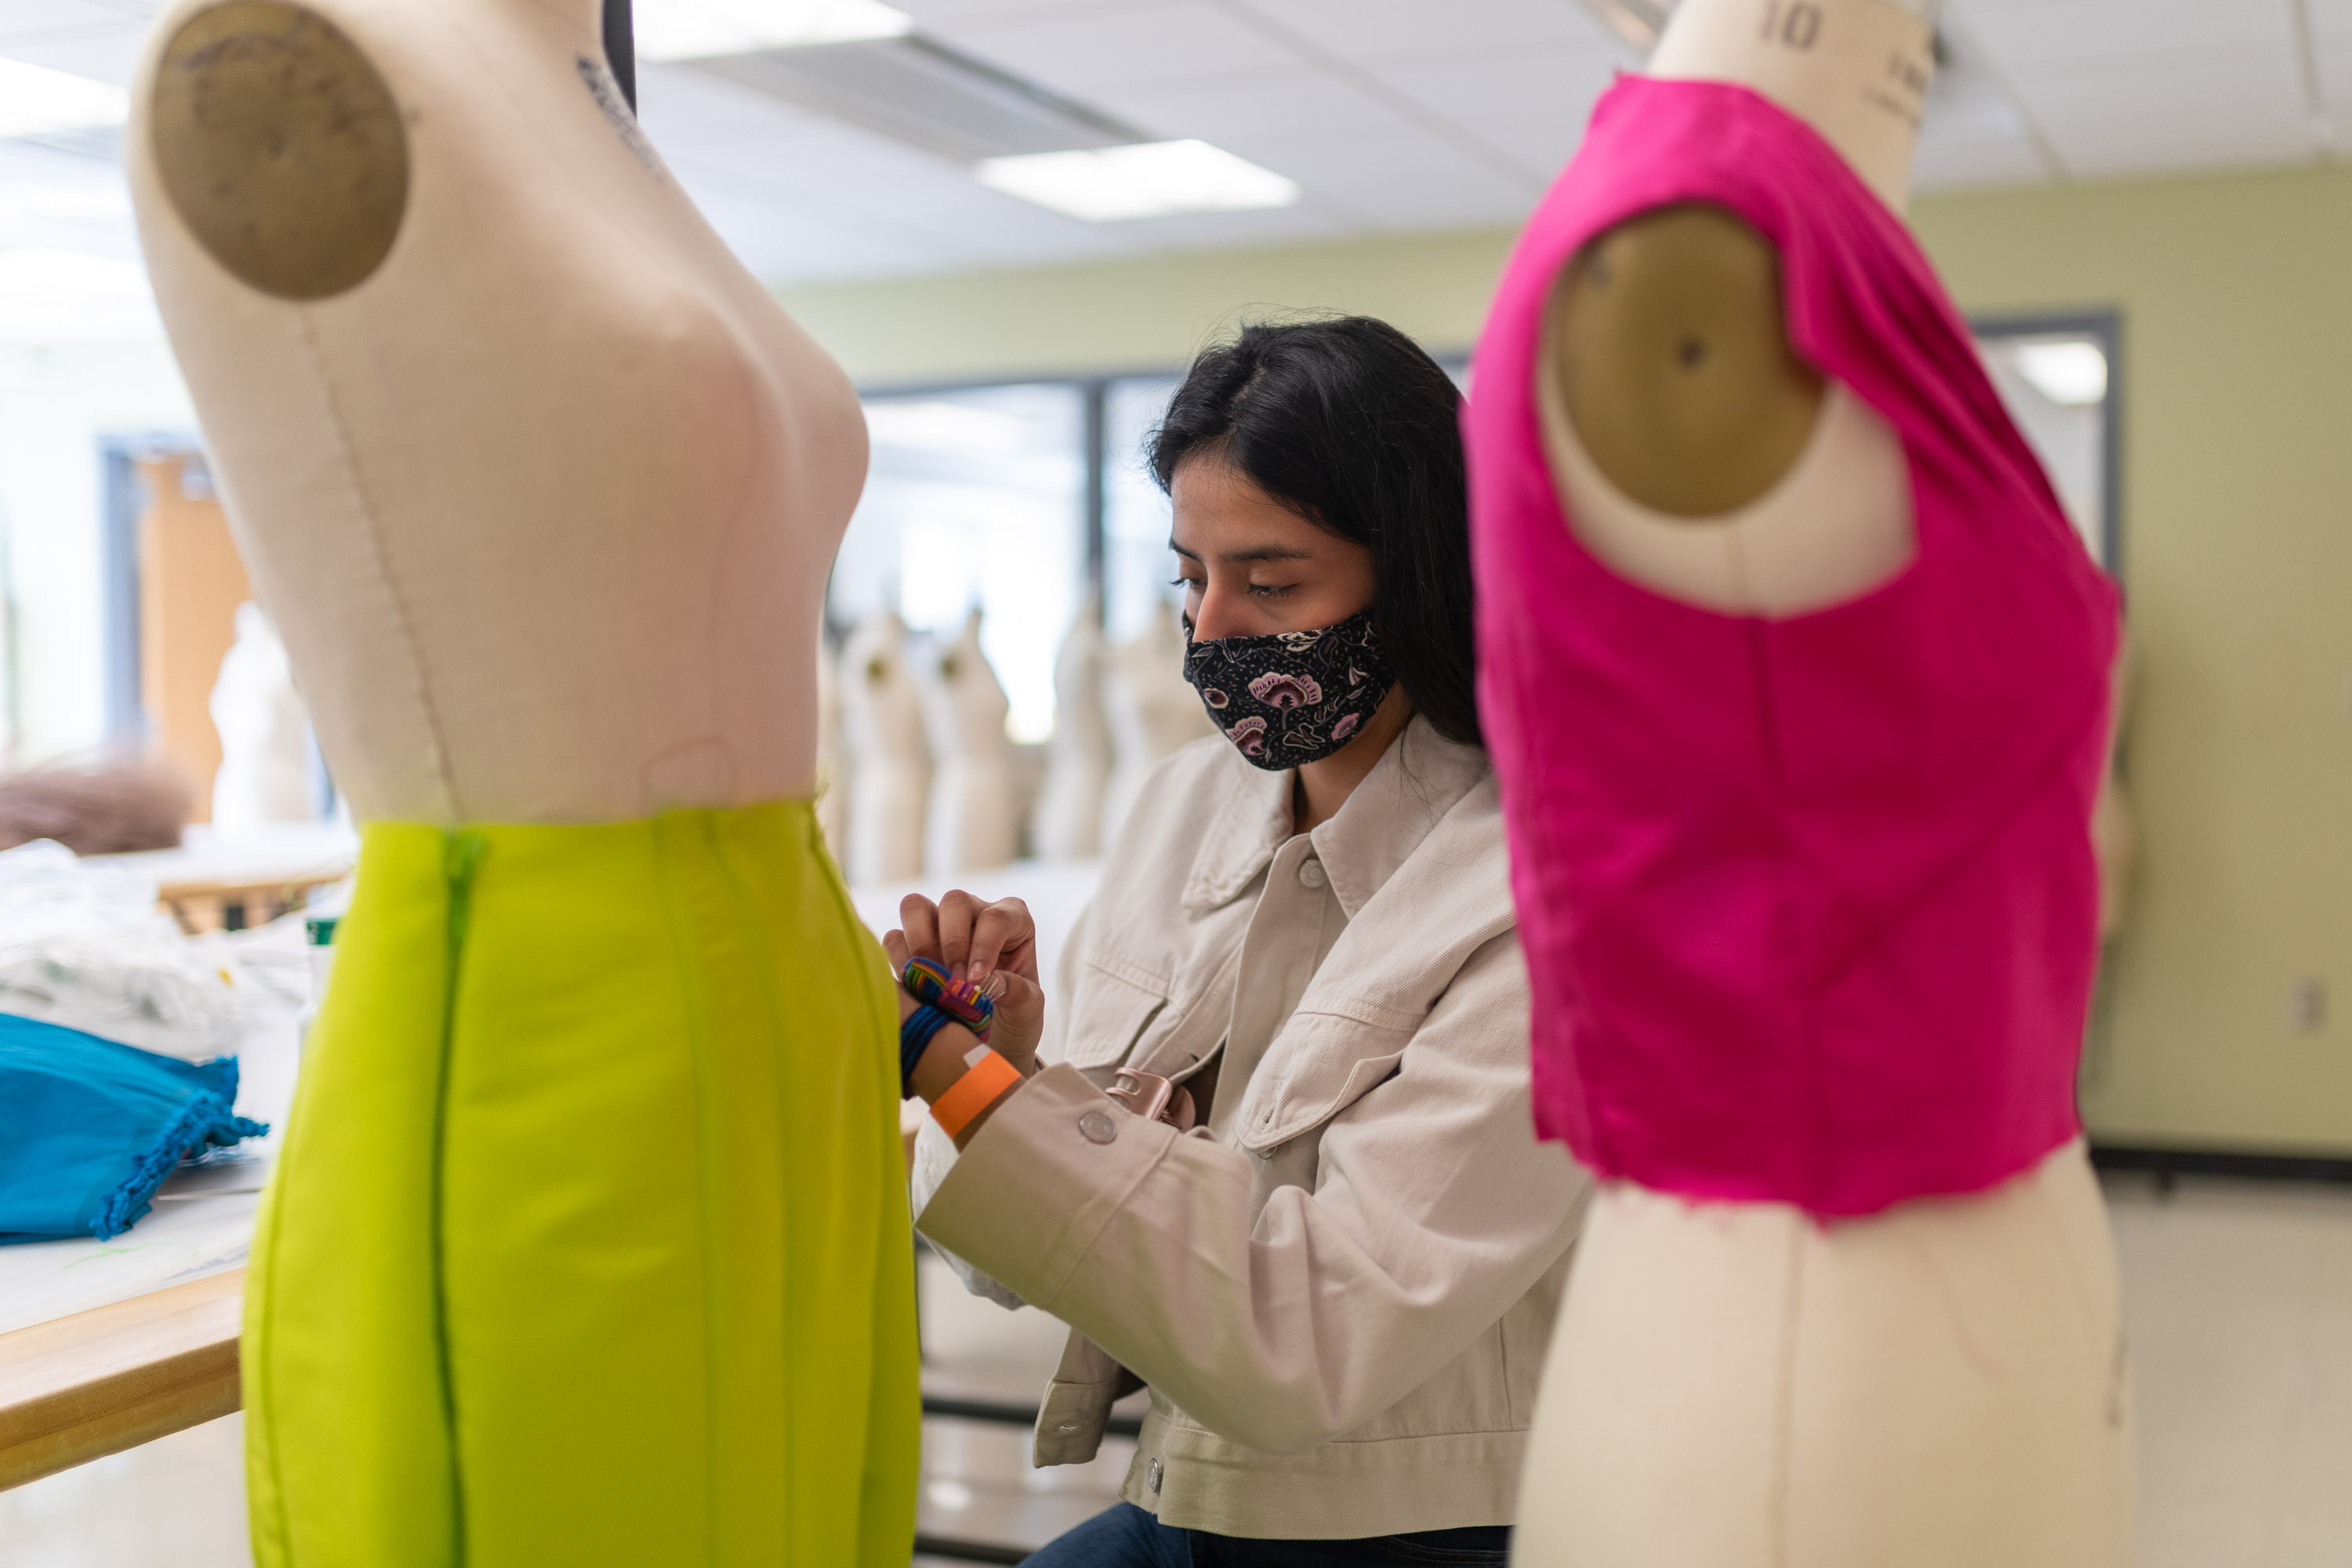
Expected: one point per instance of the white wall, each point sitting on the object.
(57, 405)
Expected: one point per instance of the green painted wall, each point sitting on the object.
(2236, 297)
(2238, 559)
(1148, 314)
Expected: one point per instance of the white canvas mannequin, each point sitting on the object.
(265, 736)
(974, 825)
(540, 488)
(1943, 1384)
(889, 763)
(530, 671)
(1068, 821)
(1151, 708)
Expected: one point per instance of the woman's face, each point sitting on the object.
(1250, 565)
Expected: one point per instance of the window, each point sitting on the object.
(1137, 568)
(976, 497)
(2057, 376)
(1020, 500)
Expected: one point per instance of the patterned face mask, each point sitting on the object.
(1293, 697)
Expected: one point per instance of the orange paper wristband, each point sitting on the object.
(986, 1082)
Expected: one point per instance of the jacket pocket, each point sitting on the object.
(1327, 1063)
(1112, 1005)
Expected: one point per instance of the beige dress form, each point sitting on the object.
(1068, 821)
(1944, 1384)
(889, 760)
(1152, 711)
(577, 1248)
(544, 507)
(974, 823)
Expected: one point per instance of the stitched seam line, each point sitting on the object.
(1784, 1397)
(373, 523)
(462, 853)
(1133, 974)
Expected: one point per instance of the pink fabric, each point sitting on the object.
(1809, 904)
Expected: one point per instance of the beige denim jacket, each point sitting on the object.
(1340, 1291)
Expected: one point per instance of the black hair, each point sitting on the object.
(1348, 423)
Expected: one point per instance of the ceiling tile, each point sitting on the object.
(1235, 111)
(1094, 52)
(1516, 86)
(2045, 36)
(1957, 163)
(931, 14)
(1406, 180)
(2182, 116)
(1372, 30)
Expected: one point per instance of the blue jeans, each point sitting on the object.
(1124, 1536)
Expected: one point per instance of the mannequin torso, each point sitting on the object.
(1068, 821)
(1150, 709)
(601, 597)
(974, 826)
(1942, 1382)
(889, 762)
(540, 488)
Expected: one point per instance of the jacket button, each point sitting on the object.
(1096, 1127)
(1311, 873)
(1151, 1476)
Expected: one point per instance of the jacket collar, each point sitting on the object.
(1254, 823)
(1416, 782)
(1420, 778)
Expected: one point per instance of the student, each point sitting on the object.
(1340, 1284)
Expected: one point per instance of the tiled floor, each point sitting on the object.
(2240, 1300)
(2240, 1303)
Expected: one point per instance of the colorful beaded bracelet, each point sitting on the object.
(914, 1032)
(928, 982)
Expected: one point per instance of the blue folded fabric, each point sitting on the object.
(88, 1128)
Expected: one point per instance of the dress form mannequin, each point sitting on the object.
(561, 1262)
(265, 768)
(1152, 709)
(597, 715)
(1068, 821)
(889, 762)
(974, 826)
(1939, 1382)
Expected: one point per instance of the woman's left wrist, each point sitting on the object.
(942, 1062)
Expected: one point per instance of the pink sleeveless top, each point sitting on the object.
(1809, 904)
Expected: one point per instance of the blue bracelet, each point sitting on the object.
(914, 1032)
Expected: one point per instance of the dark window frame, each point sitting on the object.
(2105, 327)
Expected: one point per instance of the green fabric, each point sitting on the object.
(589, 1242)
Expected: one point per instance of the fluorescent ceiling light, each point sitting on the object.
(1148, 179)
(2070, 374)
(702, 29)
(37, 101)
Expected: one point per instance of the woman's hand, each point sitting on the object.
(993, 944)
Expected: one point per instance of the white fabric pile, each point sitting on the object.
(83, 945)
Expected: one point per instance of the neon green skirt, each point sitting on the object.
(589, 1242)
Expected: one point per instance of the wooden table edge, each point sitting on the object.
(96, 1382)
